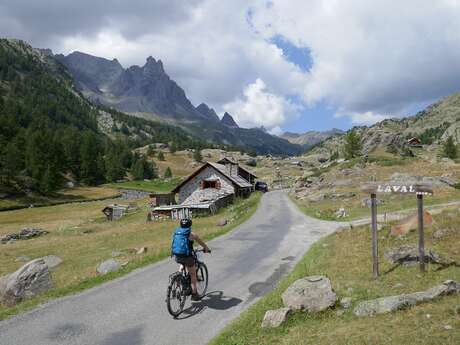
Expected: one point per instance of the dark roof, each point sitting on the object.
(226, 159)
(231, 161)
(248, 171)
(236, 180)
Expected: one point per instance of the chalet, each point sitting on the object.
(212, 186)
(414, 142)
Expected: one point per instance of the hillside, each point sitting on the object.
(147, 91)
(432, 126)
(310, 138)
(50, 133)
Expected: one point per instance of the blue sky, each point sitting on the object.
(321, 116)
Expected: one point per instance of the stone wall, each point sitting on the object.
(133, 194)
(195, 183)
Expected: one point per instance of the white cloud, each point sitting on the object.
(371, 57)
(259, 107)
(365, 118)
(211, 54)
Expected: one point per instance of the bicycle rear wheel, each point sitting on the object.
(201, 279)
(175, 296)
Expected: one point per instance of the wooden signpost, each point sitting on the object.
(420, 191)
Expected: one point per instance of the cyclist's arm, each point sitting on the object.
(195, 237)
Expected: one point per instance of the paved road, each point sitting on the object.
(244, 265)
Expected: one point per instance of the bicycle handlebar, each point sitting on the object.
(201, 250)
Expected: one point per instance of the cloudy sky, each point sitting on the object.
(287, 65)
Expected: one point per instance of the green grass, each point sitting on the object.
(326, 209)
(62, 197)
(157, 185)
(83, 239)
(345, 258)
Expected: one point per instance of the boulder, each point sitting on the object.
(24, 234)
(274, 318)
(366, 202)
(345, 302)
(52, 261)
(440, 233)
(312, 294)
(317, 197)
(30, 280)
(408, 255)
(222, 222)
(108, 266)
(393, 303)
(410, 223)
(22, 259)
(141, 250)
(340, 213)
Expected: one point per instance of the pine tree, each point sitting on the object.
(352, 145)
(138, 170)
(161, 156)
(197, 156)
(150, 151)
(50, 181)
(173, 148)
(142, 169)
(12, 161)
(168, 173)
(90, 169)
(449, 148)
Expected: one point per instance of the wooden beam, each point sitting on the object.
(375, 249)
(421, 234)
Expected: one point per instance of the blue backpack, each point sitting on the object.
(180, 242)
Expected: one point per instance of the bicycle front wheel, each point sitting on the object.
(175, 296)
(201, 279)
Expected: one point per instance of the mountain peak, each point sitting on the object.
(204, 109)
(228, 121)
(154, 66)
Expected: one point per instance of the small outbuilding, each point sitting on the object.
(114, 212)
(414, 142)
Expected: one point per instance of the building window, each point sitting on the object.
(210, 184)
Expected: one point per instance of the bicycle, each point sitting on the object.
(180, 285)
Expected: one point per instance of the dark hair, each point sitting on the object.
(185, 223)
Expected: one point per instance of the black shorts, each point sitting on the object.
(187, 261)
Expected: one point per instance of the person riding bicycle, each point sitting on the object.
(182, 249)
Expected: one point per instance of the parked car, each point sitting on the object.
(261, 186)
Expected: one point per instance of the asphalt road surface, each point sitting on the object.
(244, 265)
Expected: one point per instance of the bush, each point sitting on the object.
(252, 163)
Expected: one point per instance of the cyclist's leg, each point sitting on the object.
(192, 272)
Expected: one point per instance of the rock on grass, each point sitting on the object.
(30, 280)
(312, 294)
(274, 318)
(393, 303)
(108, 266)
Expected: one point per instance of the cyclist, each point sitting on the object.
(183, 236)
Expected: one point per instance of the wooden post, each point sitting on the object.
(421, 235)
(375, 249)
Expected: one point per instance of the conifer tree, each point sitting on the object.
(197, 156)
(168, 173)
(449, 148)
(352, 148)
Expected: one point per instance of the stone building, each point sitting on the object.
(212, 186)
